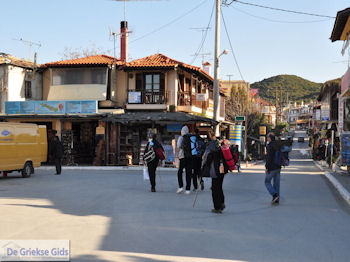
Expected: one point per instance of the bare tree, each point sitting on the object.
(73, 53)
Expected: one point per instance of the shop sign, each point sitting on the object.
(50, 107)
(262, 130)
(201, 97)
(134, 97)
(340, 114)
(174, 128)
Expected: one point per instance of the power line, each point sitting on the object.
(279, 21)
(276, 9)
(204, 37)
(171, 22)
(229, 40)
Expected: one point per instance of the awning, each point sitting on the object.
(157, 117)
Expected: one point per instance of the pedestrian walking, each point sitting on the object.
(272, 170)
(185, 157)
(57, 151)
(151, 156)
(211, 165)
(198, 148)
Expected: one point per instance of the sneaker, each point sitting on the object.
(216, 211)
(187, 192)
(180, 190)
(202, 185)
(275, 199)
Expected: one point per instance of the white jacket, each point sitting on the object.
(184, 131)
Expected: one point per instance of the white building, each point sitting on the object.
(18, 80)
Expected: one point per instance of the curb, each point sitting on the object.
(104, 168)
(342, 191)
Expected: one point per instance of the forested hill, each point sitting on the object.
(297, 88)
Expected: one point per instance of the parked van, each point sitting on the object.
(22, 147)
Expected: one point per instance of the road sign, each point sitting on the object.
(240, 118)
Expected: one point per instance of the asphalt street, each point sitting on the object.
(113, 216)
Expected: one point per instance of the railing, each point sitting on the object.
(187, 99)
(147, 97)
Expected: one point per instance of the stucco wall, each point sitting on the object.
(122, 88)
(77, 92)
(15, 84)
(172, 83)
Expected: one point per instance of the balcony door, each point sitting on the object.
(152, 87)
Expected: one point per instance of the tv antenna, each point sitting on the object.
(131, 1)
(201, 52)
(30, 43)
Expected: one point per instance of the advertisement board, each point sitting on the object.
(51, 107)
(134, 97)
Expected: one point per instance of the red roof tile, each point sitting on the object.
(160, 60)
(89, 60)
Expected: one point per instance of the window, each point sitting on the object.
(151, 86)
(79, 76)
(27, 89)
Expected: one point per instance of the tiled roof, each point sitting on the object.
(339, 24)
(12, 60)
(86, 61)
(162, 61)
(262, 101)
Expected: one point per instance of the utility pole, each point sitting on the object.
(216, 67)
(281, 105)
(276, 105)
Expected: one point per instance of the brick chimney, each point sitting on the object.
(124, 41)
(207, 67)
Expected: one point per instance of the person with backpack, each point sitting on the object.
(185, 158)
(273, 169)
(211, 165)
(152, 155)
(198, 148)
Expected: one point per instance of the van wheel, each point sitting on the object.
(27, 170)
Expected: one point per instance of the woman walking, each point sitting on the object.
(151, 156)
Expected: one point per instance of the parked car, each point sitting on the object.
(301, 139)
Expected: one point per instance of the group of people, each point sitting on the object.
(199, 158)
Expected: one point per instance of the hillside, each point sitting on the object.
(297, 88)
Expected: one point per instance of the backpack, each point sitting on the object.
(149, 155)
(186, 146)
(281, 158)
(160, 153)
(200, 147)
(228, 157)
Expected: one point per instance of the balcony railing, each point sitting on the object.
(187, 99)
(146, 97)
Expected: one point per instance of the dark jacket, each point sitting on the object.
(271, 150)
(156, 145)
(211, 160)
(56, 148)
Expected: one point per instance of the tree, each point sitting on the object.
(78, 52)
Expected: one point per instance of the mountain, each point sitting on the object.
(297, 88)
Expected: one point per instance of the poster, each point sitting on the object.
(345, 145)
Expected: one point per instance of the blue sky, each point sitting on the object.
(293, 45)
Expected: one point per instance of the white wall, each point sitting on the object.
(77, 92)
(15, 84)
(172, 83)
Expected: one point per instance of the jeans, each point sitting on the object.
(275, 175)
(152, 166)
(185, 163)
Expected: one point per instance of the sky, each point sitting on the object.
(265, 42)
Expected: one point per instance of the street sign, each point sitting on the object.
(240, 118)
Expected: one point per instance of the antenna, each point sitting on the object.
(229, 77)
(114, 34)
(30, 43)
(201, 52)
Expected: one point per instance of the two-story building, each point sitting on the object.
(18, 80)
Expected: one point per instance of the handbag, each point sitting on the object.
(150, 155)
(145, 173)
(160, 153)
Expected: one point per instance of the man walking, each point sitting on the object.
(184, 145)
(272, 170)
(57, 151)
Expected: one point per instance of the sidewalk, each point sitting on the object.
(340, 179)
(127, 168)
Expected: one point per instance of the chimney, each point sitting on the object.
(207, 67)
(124, 41)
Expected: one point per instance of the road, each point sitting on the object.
(113, 216)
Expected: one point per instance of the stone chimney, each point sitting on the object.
(124, 41)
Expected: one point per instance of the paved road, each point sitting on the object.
(113, 216)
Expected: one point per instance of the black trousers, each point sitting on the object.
(58, 165)
(185, 163)
(217, 192)
(196, 164)
(152, 166)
